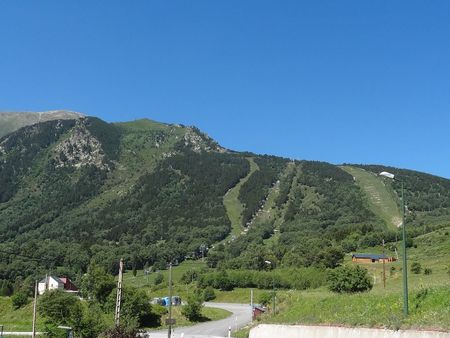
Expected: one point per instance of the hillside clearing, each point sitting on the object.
(232, 204)
(381, 201)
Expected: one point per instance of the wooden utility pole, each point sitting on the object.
(33, 333)
(384, 267)
(119, 294)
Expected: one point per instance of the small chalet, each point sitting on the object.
(54, 283)
(371, 258)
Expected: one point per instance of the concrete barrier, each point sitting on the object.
(305, 331)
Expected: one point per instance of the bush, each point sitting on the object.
(136, 307)
(209, 294)
(265, 298)
(19, 299)
(349, 279)
(159, 279)
(193, 309)
(428, 271)
(416, 268)
(121, 332)
(190, 276)
(6, 288)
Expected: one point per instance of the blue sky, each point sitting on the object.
(338, 81)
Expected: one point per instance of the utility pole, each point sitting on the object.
(33, 334)
(119, 294)
(274, 295)
(169, 333)
(405, 263)
(384, 267)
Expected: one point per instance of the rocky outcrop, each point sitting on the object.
(80, 149)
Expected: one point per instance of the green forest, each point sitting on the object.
(81, 192)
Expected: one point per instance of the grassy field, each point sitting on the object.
(17, 320)
(208, 313)
(382, 202)
(232, 204)
(429, 308)
(429, 295)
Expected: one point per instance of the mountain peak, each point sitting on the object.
(11, 121)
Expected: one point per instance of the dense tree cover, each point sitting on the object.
(298, 278)
(157, 196)
(326, 211)
(244, 252)
(19, 150)
(423, 192)
(255, 190)
(285, 188)
(168, 213)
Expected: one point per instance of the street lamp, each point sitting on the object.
(273, 286)
(405, 265)
(170, 321)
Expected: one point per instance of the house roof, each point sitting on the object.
(369, 256)
(45, 280)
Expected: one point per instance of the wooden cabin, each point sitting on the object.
(371, 258)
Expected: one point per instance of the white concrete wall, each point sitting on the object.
(304, 331)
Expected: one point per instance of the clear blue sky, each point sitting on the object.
(339, 81)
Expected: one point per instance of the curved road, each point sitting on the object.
(241, 316)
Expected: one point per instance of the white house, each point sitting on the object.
(50, 283)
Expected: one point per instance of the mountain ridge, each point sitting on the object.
(84, 190)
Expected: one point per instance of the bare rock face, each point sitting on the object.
(80, 149)
(199, 141)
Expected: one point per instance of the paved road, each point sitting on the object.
(241, 316)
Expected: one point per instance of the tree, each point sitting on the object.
(193, 309)
(6, 288)
(209, 294)
(58, 307)
(97, 284)
(332, 256)
(190, 276)
(61, 308)
(349, 279)
(159, 279)
(136, 308)
(19, 299)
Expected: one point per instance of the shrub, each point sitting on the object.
(392, 270)
(193, 309)
(6, 288)
(19, 299)
(189, 276)
(209, 294)
(349, 279)
(416, 268)
(428, 271)
(159, 279)
(265, 298)
(121, 332)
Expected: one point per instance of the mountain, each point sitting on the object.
(75, 191)
(11, 121)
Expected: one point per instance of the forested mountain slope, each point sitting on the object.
(74, 191)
